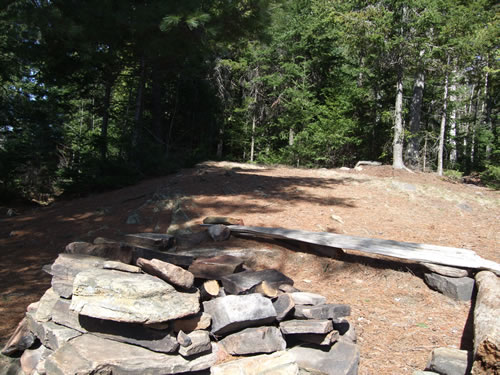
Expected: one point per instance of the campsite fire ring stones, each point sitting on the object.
(112, 316)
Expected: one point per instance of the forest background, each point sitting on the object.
(99, 94)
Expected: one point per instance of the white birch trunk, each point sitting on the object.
(443, 125)
(397, 161)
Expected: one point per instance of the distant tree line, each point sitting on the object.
(97, 94)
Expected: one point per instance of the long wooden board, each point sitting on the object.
(448, 256)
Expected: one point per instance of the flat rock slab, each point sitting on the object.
(61, 314)
(342, 359)
(254, 340)
(136, 334)
(318, 339)
(32, 358)
(131, 298)
(53, 335)
(449, 361)
(119, 266)
(151, 240)
(279, 363)
(241, 282)
(177, 259)
(326, 311)
(89, 354)
(43, 312)
(214, 268)
(171, 273)
(446, 271)
(305, 298)
(67, 266)
(291, 327)
(200, 343)
(232, 313)
(459, 289)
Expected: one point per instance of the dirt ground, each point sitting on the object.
(399, 320)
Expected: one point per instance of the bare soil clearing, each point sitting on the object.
(398, 318)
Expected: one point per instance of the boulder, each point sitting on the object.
(241, 282)
(282, 363)
(232, 313)
(67, 266)
(158, 241)
(283, 305)
(326, 311)
(291, 327)
(88, 354)
(200, 343)
(216, 267)
(131, 298)
(254, 340)
(199, 321)
(21, 339)
(346, 330)
(448, 361)
(305, 298)
(171, 273)
(183, 339)
(458, 288)
(341, 359)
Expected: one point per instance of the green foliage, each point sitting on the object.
(491, 176)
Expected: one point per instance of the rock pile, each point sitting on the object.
(137, 310)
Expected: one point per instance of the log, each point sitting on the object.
(209, 289)
(266, 289)
(363, 162)
(447, 256)
(487, 325)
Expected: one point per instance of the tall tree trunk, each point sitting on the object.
(443, 122)
(139, 106)
(397, 161)
(453, 119)
(156, 105)
(252, 142)
(413, 150)
(105, 119)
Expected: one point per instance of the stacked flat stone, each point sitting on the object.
(102, 315)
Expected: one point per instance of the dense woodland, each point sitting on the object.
(98, 94)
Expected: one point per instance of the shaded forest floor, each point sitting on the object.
(398, 319)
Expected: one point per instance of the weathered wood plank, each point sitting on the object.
(448, 256)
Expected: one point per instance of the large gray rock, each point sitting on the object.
(254, 340)
(177, 259)
(242, 282)
(158, 241)
(448, 361)
(279, 363)
(305, 298)
(291, 327)
(120, 266)
(171, 273)
(67, 266)
(89, 354)
(341, 359)
(200, 343)
(132, 298)
(346, 330)
(326, 311)
(318, 339)
(21, 339)
(136, 334)
(232, 313)
(214, 268)
(459, 289)
(283, 305)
